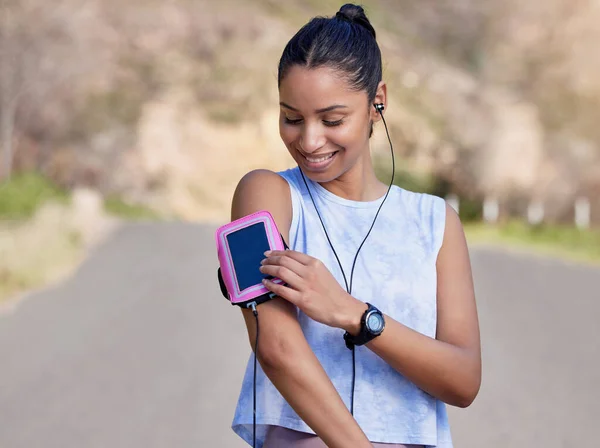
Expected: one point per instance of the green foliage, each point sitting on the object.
(559, 240)
(565, 236)
(21, 196)
(406, 179)
(470, 209)
(115, 206)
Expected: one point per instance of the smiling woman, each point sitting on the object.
(407, 313)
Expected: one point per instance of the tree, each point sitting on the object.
(9, 84)
(36, 40)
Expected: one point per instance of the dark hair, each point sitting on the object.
(346, 42)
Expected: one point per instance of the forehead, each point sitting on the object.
(315, 88)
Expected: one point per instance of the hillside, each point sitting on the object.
(168, 104)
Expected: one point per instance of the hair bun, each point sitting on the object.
(355, 14)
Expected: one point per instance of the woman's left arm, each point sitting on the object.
(448, 367)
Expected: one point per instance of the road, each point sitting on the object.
(138, 349)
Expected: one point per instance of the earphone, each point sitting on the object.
(379, 107)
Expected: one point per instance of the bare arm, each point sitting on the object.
(448, 367)
(283, 352)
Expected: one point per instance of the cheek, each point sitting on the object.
(348, 136)
(288, 133)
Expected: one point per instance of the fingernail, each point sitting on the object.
(263, 261)
(267, 253)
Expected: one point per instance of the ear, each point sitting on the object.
(380, 97)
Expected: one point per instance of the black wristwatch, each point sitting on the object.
(371, 326)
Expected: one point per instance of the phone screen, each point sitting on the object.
(247, 247)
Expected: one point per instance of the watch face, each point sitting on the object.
(375, 323)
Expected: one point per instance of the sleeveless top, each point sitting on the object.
(395, 271)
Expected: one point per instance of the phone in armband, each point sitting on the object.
(241, 245)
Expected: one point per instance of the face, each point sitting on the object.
(324, 124)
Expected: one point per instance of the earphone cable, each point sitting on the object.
(254, 390)
(326, 234)
(378, 210)
(349, 288)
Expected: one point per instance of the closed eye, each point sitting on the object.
(325, 122)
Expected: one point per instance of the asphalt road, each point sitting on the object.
(138, 349)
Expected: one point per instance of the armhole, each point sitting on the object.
(295, 199)
(438, 216)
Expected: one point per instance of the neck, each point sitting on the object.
(359, 183)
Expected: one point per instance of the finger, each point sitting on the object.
(289, 294)
(295, 255)
(287, 262)
(285, 274)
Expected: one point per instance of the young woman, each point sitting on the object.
(356, 245)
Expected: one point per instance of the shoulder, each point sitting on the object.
(421, 204)
(427, 209)
(428, 213)
(263, 189)
(454, 235)
(261, 184)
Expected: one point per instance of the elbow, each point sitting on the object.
(464, 397)
(465, 400)
(467, 390)
(277, 354)
(461, 398)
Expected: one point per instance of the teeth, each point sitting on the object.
(322, 159)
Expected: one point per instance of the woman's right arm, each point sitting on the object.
(283, 352)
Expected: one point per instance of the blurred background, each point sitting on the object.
(151, 111)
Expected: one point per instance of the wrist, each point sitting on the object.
(352, 316)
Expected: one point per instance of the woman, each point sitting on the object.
(414, 267)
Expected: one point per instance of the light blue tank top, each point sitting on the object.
(396, 272)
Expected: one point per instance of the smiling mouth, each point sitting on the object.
(320, 159)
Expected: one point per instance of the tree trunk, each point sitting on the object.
(6, 139)
(7, 93)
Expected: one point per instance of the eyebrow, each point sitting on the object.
(319, 111)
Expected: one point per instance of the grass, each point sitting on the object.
(23, 194)
(560, 241)
(33, 249)
(39, 244)
(37, 251)
(37, 269)
(116, 206)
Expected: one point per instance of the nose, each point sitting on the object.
(312, 139)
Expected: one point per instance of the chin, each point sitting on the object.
(321, 178)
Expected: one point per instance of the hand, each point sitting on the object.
(313, 289)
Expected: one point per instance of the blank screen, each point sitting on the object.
(247, 247)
